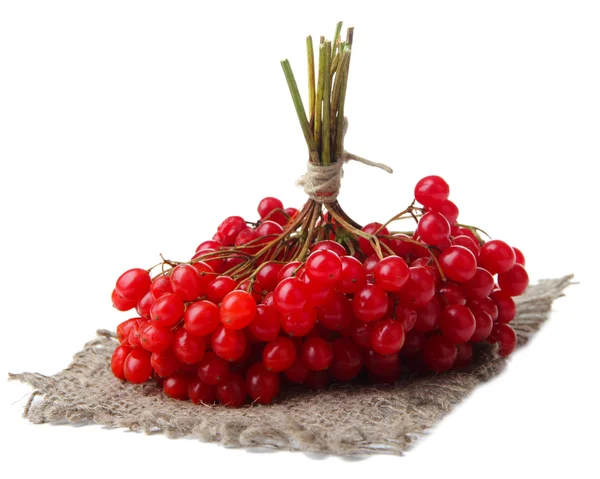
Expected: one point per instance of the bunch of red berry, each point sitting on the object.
(309, 298)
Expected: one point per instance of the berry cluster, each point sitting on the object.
(309, 298)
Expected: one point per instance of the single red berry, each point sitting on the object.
(515, 281)
(279, 354)
(457, 230)
(331, 246)
(219, 288)
(289, 270)
(317, 354)
(483, 324)
(419, 289)
(201, 393)
(297, 372)
(154, 338)
(433, 229)
(133, 284)
(448, 210)
(382, 364)
(391, 273)
(207, 275)
(337, 314)
(352, 276)
(299, 323)
(209, 244)
(161, 286)
(262, 385)
(269, 228)
(137, 367)
(467, 242)
(506, 338)
(458, 263)
(143, 306)
(406, 316)
(247, 236)
(370, 303)
(133, 338)
(120, 303)
(212, 369)
(457, 323)
(428, 316)
(347, 359)
(268, 275)
(167, 310)
(228, 344)
(211, 258)
(319, 294)
(176, 386)
(291, 294)
(187, 348)
(519, 257)
(401, 246)
(376, 229)
(387, 336)
(201, 318)
(118, 360)
(496, 256)
(507, 309)
(450, 293)
(370, 263)
(291, 212)
(232, 391)
(439, 354)
(230, 228)
(238, 309)
(480, 285)
(266, 324)
(432, 191)
(486, 305)
(165, 363)
(324, 267)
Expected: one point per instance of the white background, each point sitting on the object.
(129, 129)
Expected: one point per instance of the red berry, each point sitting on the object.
(299, 323)
(432, 191)
(154, 338)
(262, 385)
(370, 303)
(232, 391)
(291, 212)
(337, 314)
(201, 393)
(266, 324)
(210, 258)
(507, 310)
(496, 256)
(124, 328)
(137, 367)
(279, 354)
(480, 285)
(347, 360)
(450, 293)
(352, 275)
(391, 273)
(230, 228)
(238, 309)
(467, 242)
(519, 258)
(133, 338)
(324, 267)
(187, 348)
(118, 360)
(439, 354)
(486, 305)
(381, 364)
(219, 288)
(457, 323)
(372, 229)
(291, 294)
(289, 270)
(165, 363)
(269, 228)
(228, 344)
(515, 281)
(133, 284)
(414, 342)
(428, 316)
(449, 210)
(458, 263)
(297, 372)
(212, 369)
(176, 387)
(317, 354)
(483, 324)
(268, 275)
(120, 303)
(407, 317)
(167, 310)
(419, 289)
(143, 306)
(329, 245)
(319, 294)
(267, 205)
(387, 336)
(201, 318)
(207, 275)
(433, 229)
(506, 338)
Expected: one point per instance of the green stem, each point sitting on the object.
(336, 38)
(311, 80)
(326, 135)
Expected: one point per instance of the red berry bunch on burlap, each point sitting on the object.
(307, 298)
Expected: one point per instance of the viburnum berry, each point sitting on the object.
(136, 367)
(514, 281)
(143, 306)
(133, 284)
(506, 338)
(262, 384)
(269, 228)
(324, 267)
(486, 305)
(507, 310)
(457, 323)
(432, 191)
(176, 387)
(290, 295)
(458, 263)
(448, 210)
(212, 369)
(433, 229)
(232, 391)
(329, 245)
(201, 393)
(464, 355)
(167, 310)
(337, 313)
(419, 289)
(267, 205)
(376, 229)
(483, 324)
(391, 273)
(381, 363)
(207, 275)
(387, 336)
(219, 288)
(297, 372)
(266, 323)
(228, 344)
(317, 354)
(279, 354)
(238, 309)
(299, 323)
(519, 257)
(120, 303)
(268, 275)
(319, 294)
(414, 342)
(347, 359)
(406, 316)
(428, 316)
(165, 363)
(439, 354)
(370, 303)
(352, 276)
(451, 293)
(496, 256)
(187, 348)
(124, 328)
(467, 242)
(230, 228)
(480, 285)
(155, 339)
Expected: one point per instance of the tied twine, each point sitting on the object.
(322, 183)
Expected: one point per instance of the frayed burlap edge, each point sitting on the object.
(343, 420)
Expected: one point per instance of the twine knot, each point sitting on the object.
(322, 183)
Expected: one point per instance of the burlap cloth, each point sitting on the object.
(345, 420)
